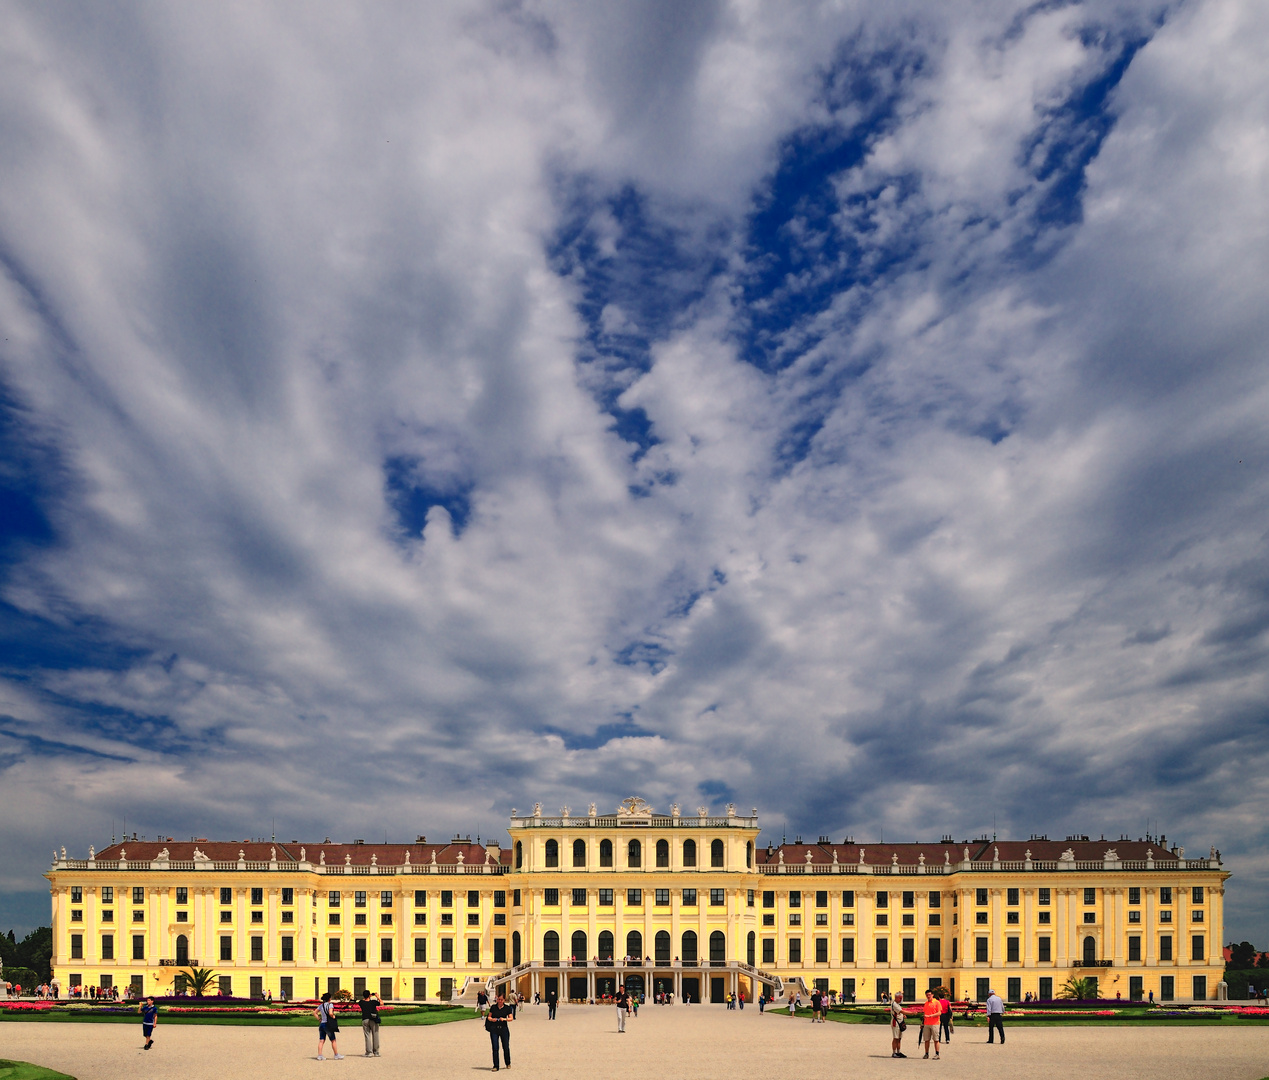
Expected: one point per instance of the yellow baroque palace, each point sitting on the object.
(688, 904)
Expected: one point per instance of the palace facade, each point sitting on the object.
(690, 904)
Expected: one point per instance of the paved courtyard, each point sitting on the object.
(704, 1042)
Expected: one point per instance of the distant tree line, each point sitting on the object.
(33, 953)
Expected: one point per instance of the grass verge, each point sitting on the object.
(24, 1070)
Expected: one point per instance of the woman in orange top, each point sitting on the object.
(930, 1030)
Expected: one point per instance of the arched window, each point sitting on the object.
(579, 852)
(515, 949)
(605, 945)
(578, 945)
(634, 853)
(634, 944)
(751, 949)
(552, 853)
(689, 852)
(663, 853)
(717, 947)
(551, 946)
(662, 946)
(716, 853)
(749, 855)
(519, 855)
(605, 853)
(689, 946)
(182, 950)
(1090, 949)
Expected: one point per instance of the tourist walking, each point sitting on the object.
(497, 1023)
(370, 1022)
(482, 1001)
(327, 1028)
(931, 1014)
(817, 1006)
(898, 1025)
(762, 1002)
(552, 999)
(995, 1017)
(945, 1017)
(620, 1000)
(149, 1021)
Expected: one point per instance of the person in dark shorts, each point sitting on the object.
(327, 1028)
(370, 1022)
(497, 1024)
(149, 1021)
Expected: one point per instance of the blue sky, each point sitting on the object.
(408, 414)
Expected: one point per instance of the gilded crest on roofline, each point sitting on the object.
(634, 807)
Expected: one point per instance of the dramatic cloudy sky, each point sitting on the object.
(855, 411)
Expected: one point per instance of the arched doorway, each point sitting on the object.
(552, 853)
(634, 853)
(716, 853)
(751, 949)
(662, 946)
(634, 985)
(182, 950)
(663, 853)
(634, 945)
(605, 853)
(1090, 950)
(551, 947)
(605, 945)
(689, 852)
(689, 947)
(578, 946)
(717, 947)
(515, 949)
(579, 852)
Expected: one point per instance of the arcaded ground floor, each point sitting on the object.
(695, 1043)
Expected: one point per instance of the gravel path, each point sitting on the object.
(695, 1043)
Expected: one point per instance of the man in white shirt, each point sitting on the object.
(995, 1017)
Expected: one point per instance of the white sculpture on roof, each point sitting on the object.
(634, 807)
(1067, 856)
(348, 858)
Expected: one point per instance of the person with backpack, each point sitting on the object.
(327, 1028)
(898, 1025)
(945, 1017)
(370, 1022)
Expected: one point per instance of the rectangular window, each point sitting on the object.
(1013, 989)
(634, 897)
(500, 950)
(1165, 894)
(551, 897)
(848, 898)
(1134, 947)
(108, 894)
(385, 918)
(332, 950)
(385, 898)
(751, 897)
(605, 898)
(848, 950)
(795, 918)
(473, 898)
(1090, 916)
(77, 946)
(980, 918)
(982, 989)
(1090, 896)
(1200, 987)
(795, 898)
(1011, 950)
(1196, 894)
(980, 897)
(1042, 897)
(109, 916)
(1196, 916)
(936, 900)
(138, 895)
(288, 896)
(447, 898)
(226, 947)
(257, 896)
(77, 915)
(907, 950)
(821, 918)
(663, 897)
(795, 950)
(107, 946)
(768, 950)
(1011, 897)
(936, 950)
(1165, 946)
(226, 896)
(332, 919)
(848, 918)
(1165, 916)
(359, 950)
(883, 919)
(473, 950)
(139, 915)
(821, 950)
(1043, 945)
(420, 898)
(1196, 947)
(420, 950)
(1012, 918)
(473, 918)
(359, 899)
(77, 894)
(1166, 991)
(883, 950)
(515, 898)
(909, 899)
(257, 948)
(385, 950)
(1046, 988)
(980, 950)
(225, 983)
(716, 898)
(935, 918)
(447, 950)
(257, 916)
(333, 899)
(821, 899)
(500, 898)
(1044, 917)
(1134, 916)
(314, 948)
(579, 898)
(288, 949)
(883, 899)
(1134, 894)
(420, 918)
(768, 918)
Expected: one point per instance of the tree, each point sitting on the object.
(1078, 989)
(35, 951)
(199, 979)
(1242, 956)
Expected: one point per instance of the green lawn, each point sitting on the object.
(414, 1018)
(22, 1070)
